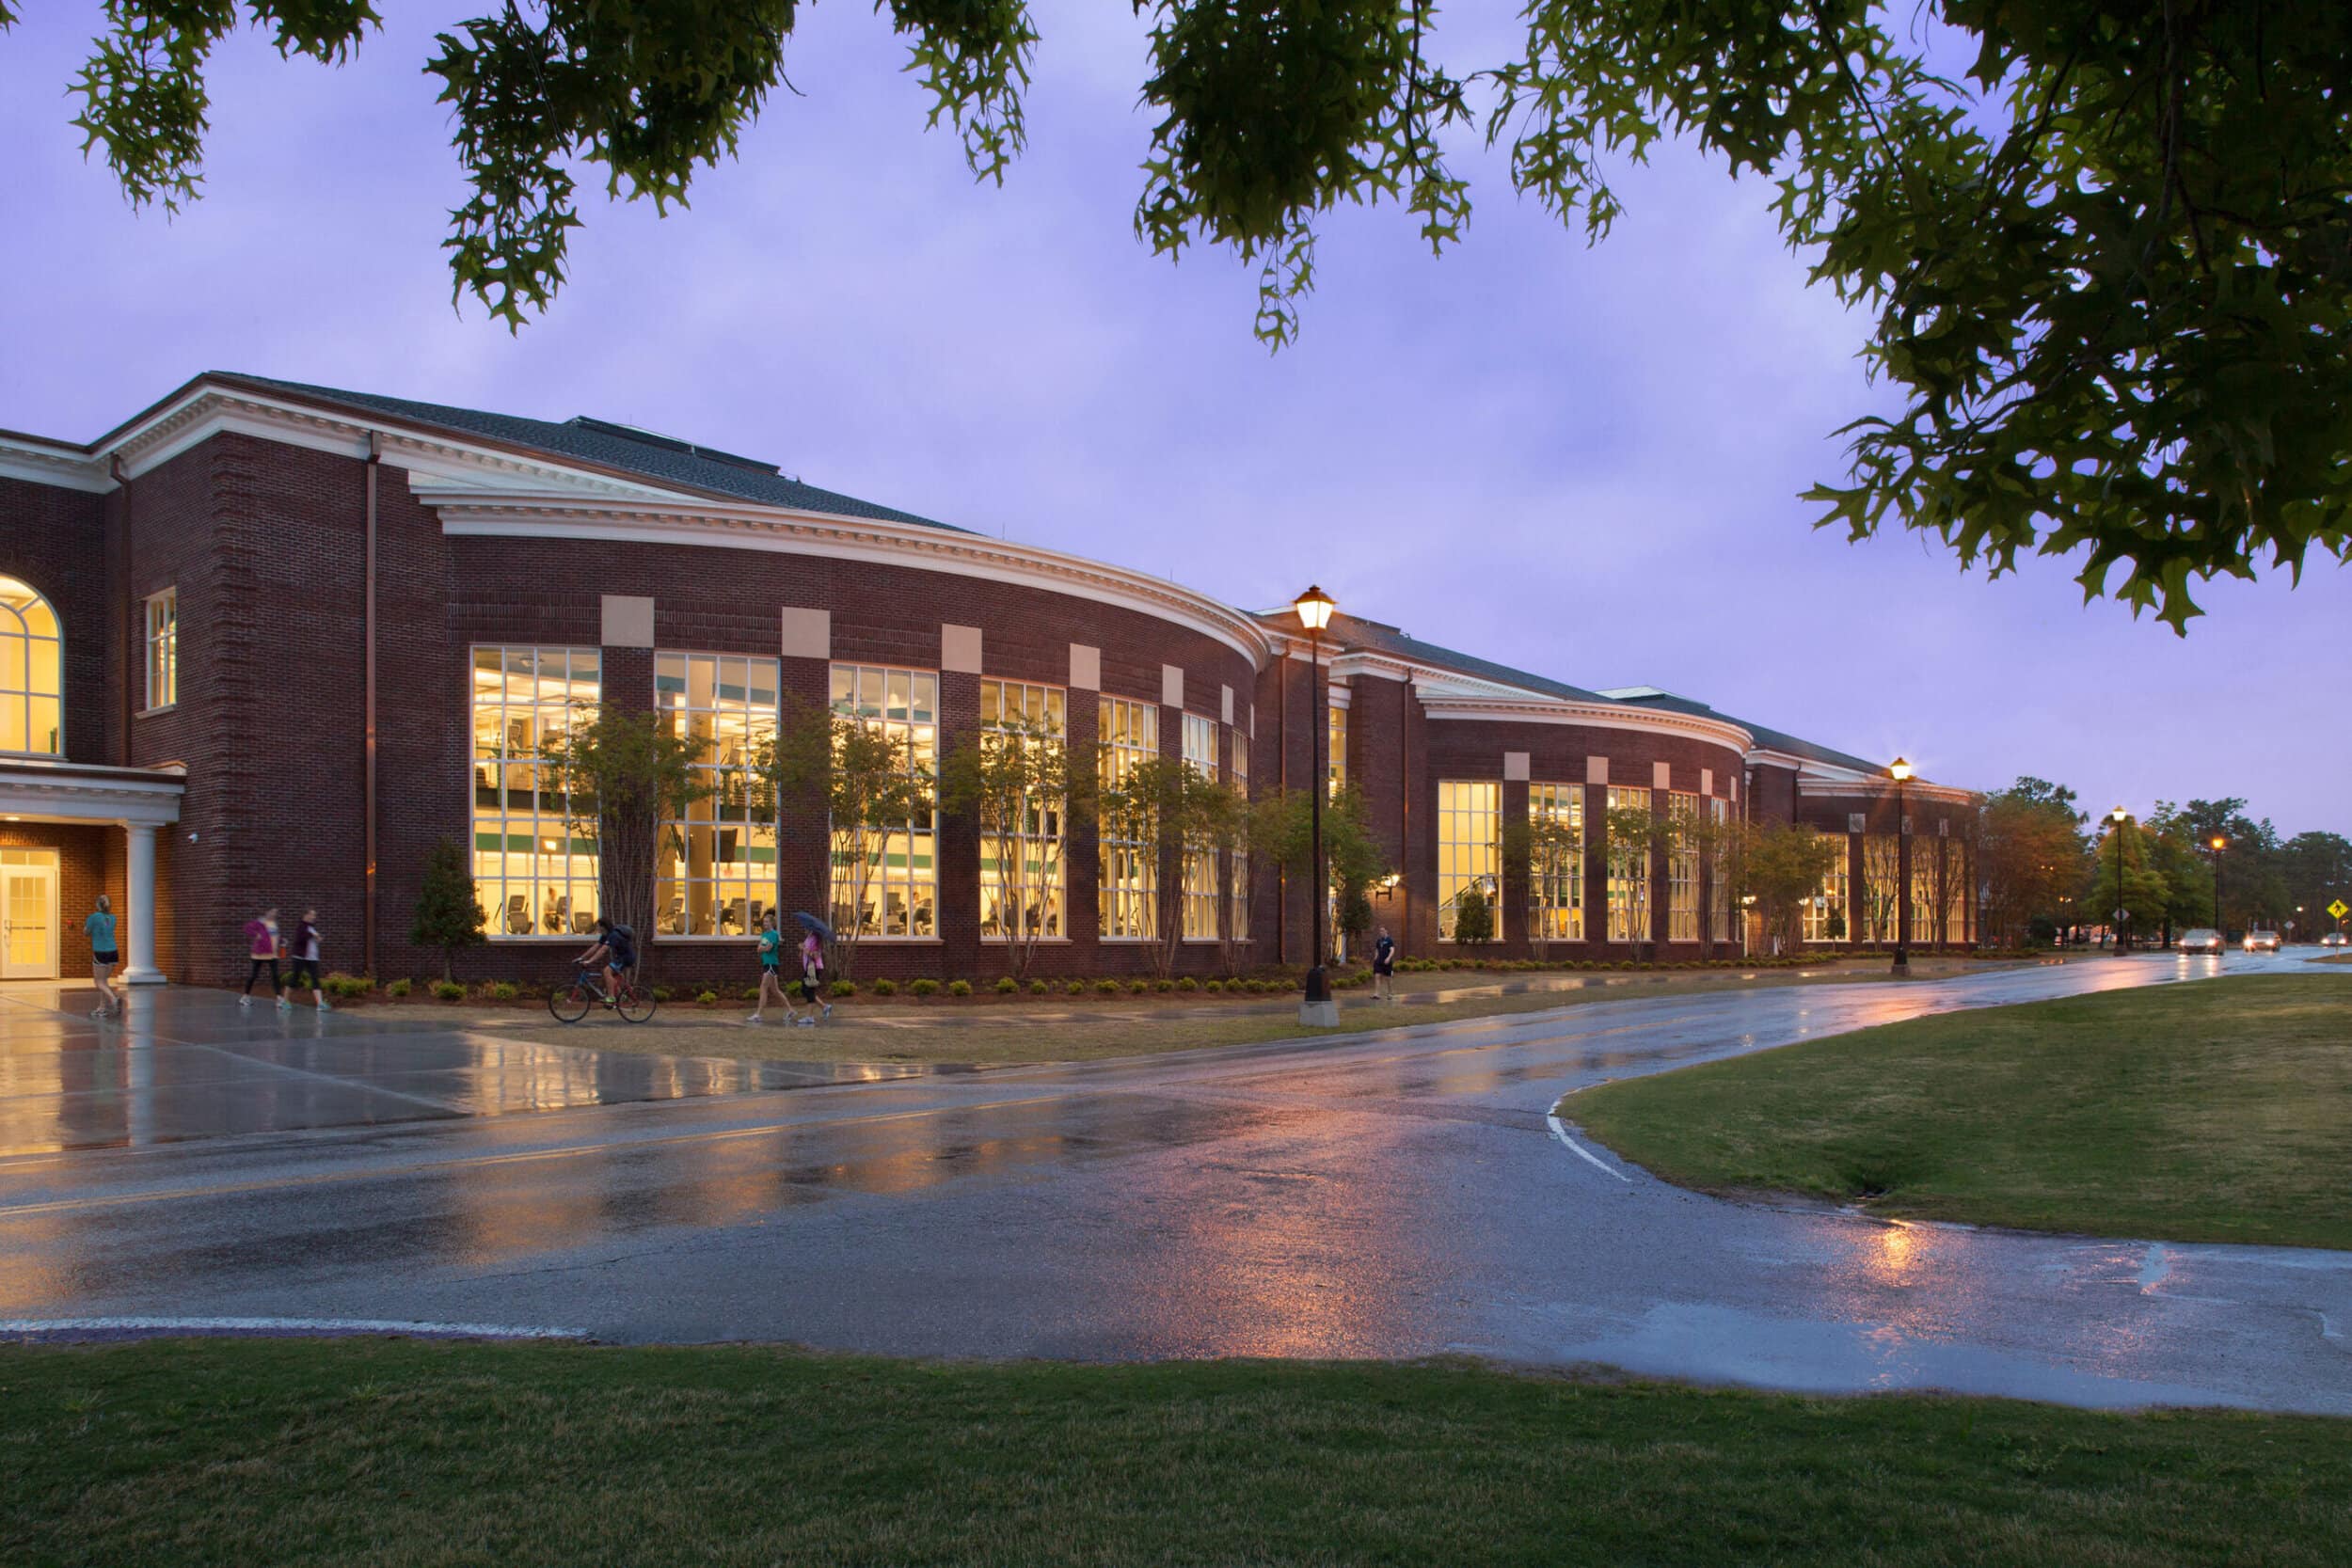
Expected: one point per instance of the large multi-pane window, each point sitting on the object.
(1021, 856)
(1128, 884)
(1720, 923)
(1556, 869)
(717, 874)
(1200, 910)
(1882, 879)
(1825, 916)
(1924, 855)
(31, 672)
(1335, 750)
(1682, 867)
(535, 868)
(1237, 876)
(163, 648)
(1628, 870)
(1469, 850)
(899, 895)
(1956, 880)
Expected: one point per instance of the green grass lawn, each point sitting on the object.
(398, 1454)
(2214, 1111)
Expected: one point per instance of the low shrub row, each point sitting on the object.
(352, 986)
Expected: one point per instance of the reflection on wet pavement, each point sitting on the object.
(1393, 1194)
(189, 1064)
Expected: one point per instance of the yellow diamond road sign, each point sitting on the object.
(2338, 910)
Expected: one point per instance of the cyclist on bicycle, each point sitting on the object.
(615, 948)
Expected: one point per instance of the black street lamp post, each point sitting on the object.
(2220, 925)
(1316, 1008)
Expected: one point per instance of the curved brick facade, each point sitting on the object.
(260, 521)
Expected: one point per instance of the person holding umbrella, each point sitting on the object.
(815, 933)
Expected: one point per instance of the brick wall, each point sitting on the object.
(1562, 753)
(266, 544)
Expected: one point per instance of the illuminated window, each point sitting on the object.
(1128, 886)
(717, 870)
(1721, 926)
(1628, 871)
(1199, 886)
(1555, 870)
(1956, 901)
(535, 868)
(1825, 916)
(1021, 858)
(1923, 855)
(1881, 875)
(1470, 851)
(1335, 750)
(31, 672)
(163, 648)
(1682, 867)
(901, 892)
(1237, 880)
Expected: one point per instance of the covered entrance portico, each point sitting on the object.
(48, 881)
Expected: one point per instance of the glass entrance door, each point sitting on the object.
(28, 922)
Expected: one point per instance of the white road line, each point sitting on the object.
(1560, 1133)
(284, 1326)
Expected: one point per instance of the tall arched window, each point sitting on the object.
(31, 672)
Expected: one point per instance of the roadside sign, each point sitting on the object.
(2338, 910)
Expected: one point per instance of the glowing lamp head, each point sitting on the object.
(2218, 840)
(1900, 772)
(1314, 608)
(2117, 815)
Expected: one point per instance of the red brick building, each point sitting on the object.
(266, 645)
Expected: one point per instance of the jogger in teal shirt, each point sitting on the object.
(100, 928)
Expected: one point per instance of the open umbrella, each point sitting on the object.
(824, 933)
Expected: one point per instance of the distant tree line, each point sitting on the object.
(2045, 867)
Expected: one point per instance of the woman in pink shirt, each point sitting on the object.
(260, 940)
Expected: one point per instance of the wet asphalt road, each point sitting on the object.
(1400, 1195)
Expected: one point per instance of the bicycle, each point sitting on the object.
(570, 1003)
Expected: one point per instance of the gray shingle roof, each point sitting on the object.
(659, 458)
(1767, 738)
(1353, 631)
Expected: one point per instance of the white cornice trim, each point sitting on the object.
(61, 466)
(208, 411)
(1499, 706)
(73, 794)
(478, 481)
(1349, 665)
(1849, 785)
(474, 514)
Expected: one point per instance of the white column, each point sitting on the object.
(140, 968)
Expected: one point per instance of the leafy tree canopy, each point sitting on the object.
(2105, 249)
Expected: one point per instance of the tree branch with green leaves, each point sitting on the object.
(872, 788)
(622, 778)
(1015, 785)
(2103, 263)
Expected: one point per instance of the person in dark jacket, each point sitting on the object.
(1384, 966)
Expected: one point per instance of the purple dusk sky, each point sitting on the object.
(1582, 462)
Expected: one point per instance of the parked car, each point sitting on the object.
(2334, 939)
(2205, 938)
(2262, 941)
